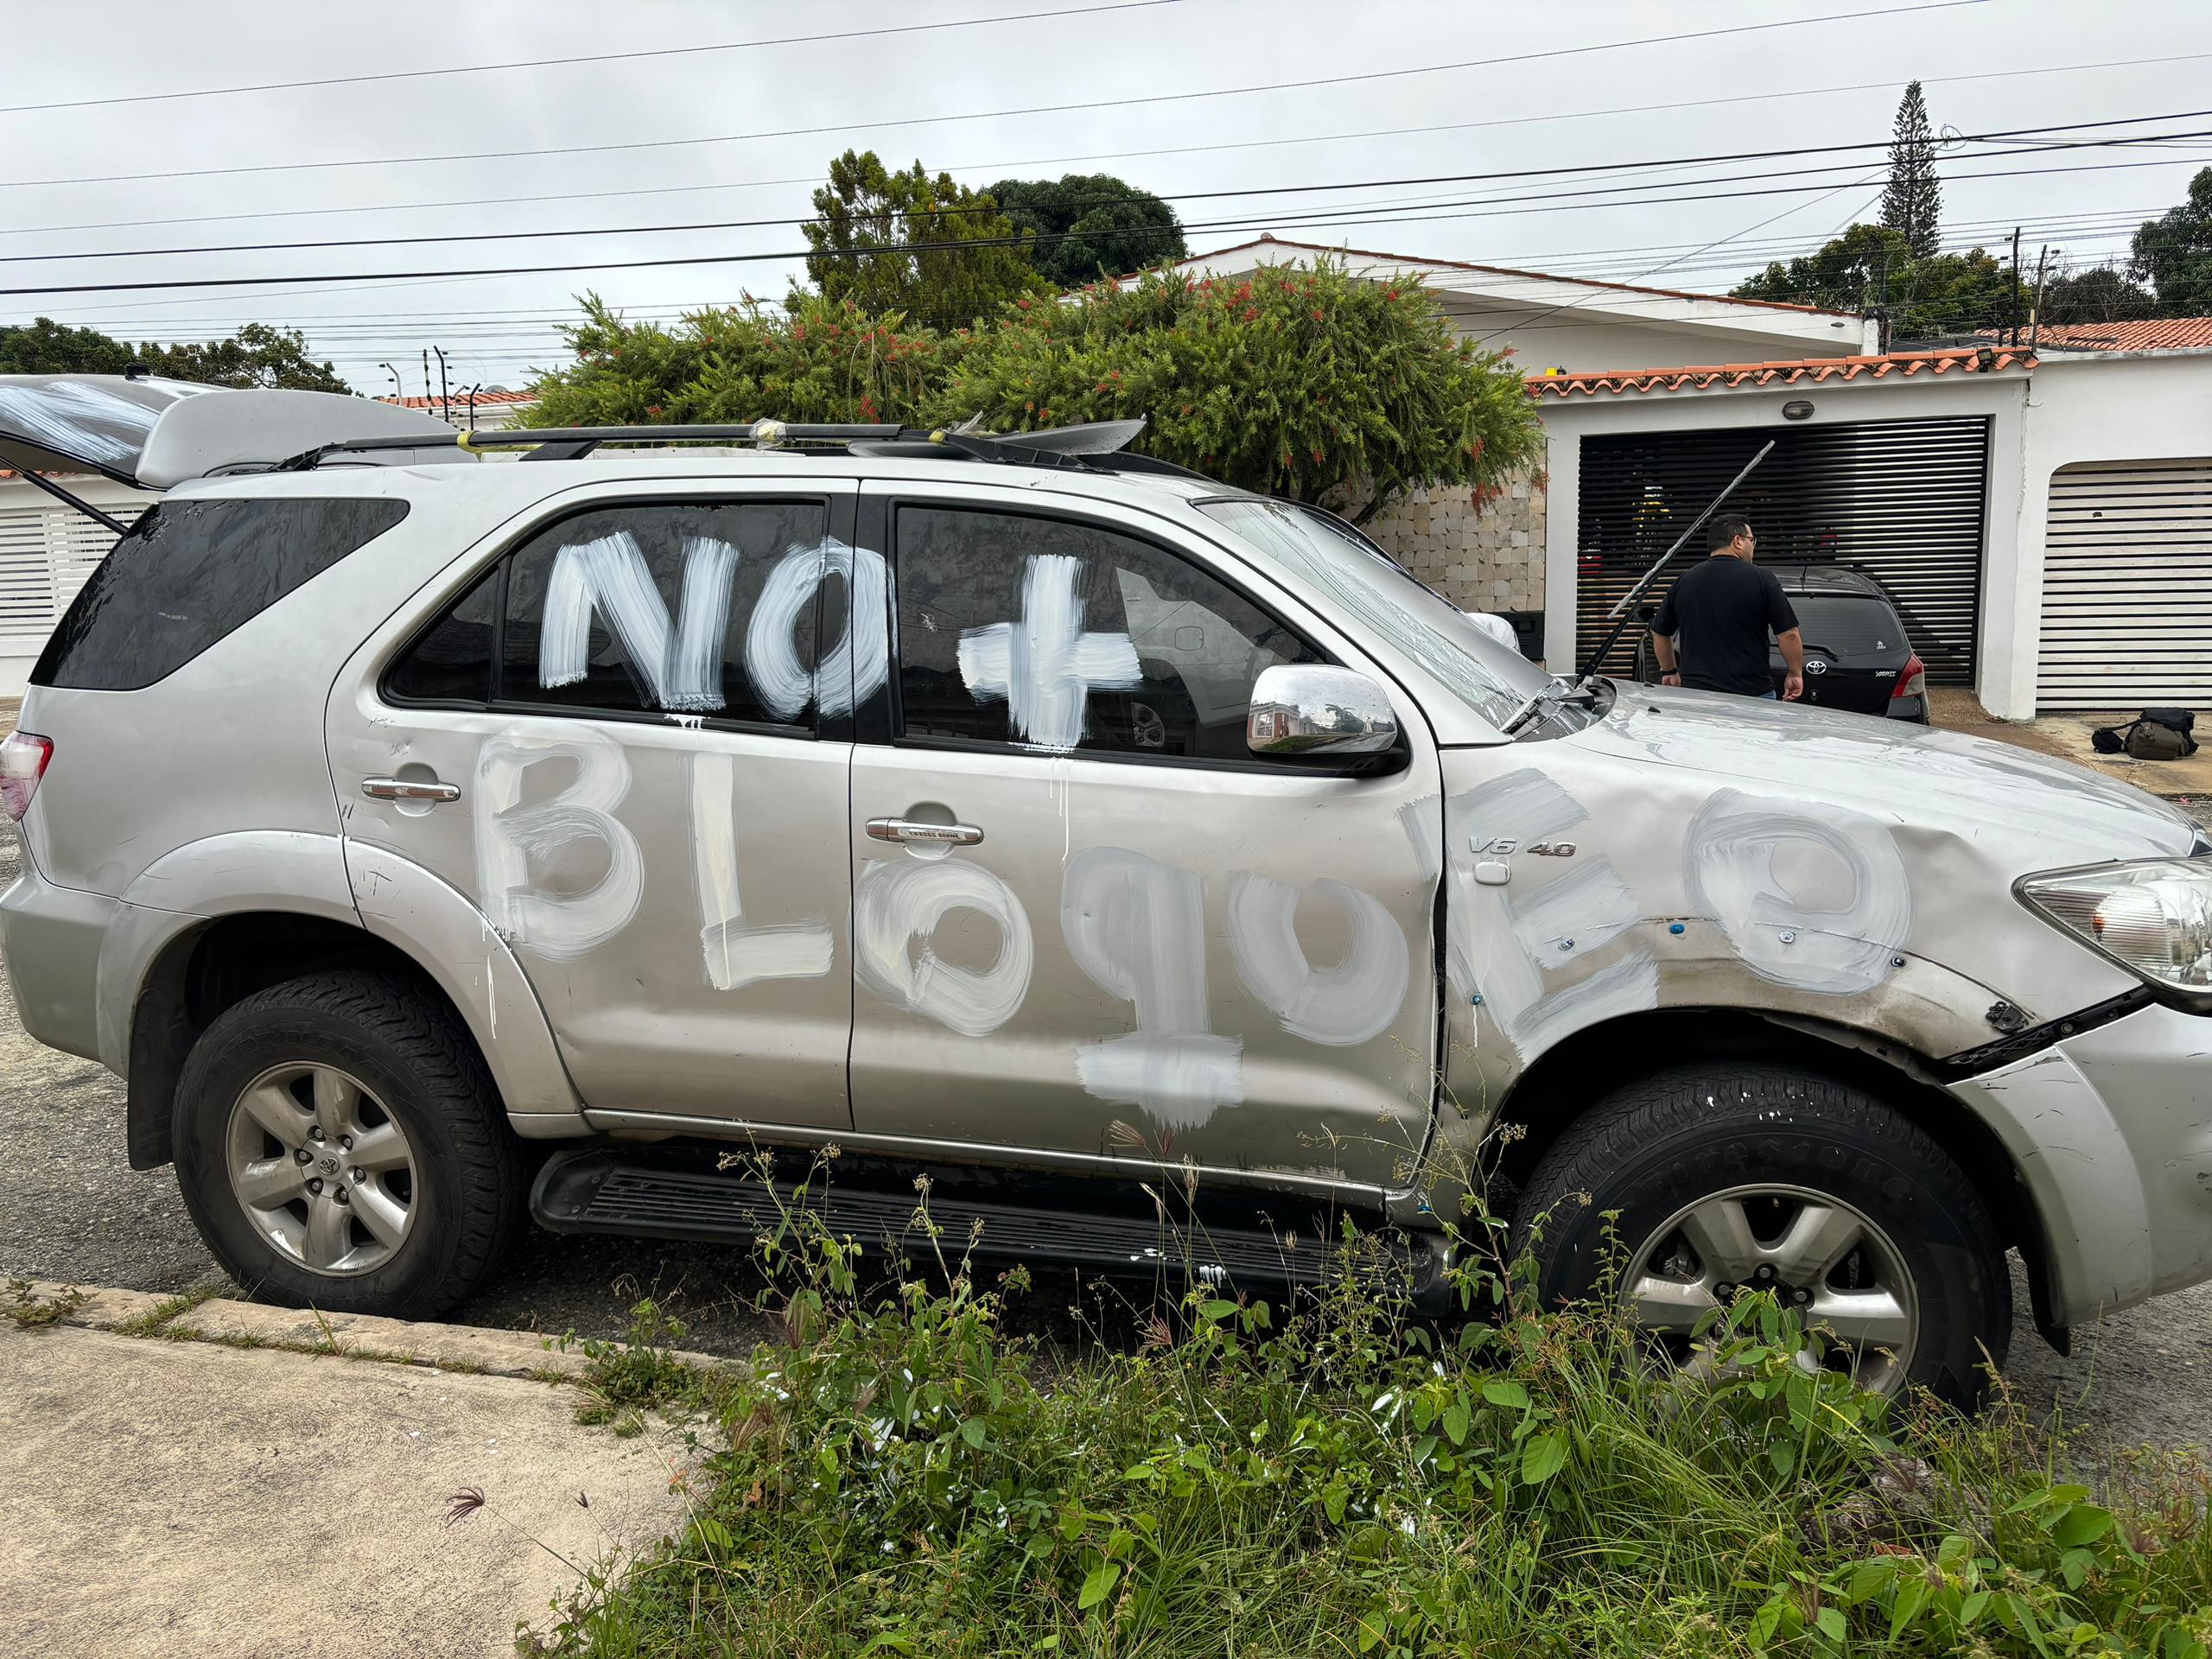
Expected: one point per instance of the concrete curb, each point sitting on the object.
(351, 1336)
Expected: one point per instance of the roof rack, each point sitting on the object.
(1094, 447)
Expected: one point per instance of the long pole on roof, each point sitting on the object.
(1620, 614)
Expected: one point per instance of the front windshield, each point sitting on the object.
(1491, 678)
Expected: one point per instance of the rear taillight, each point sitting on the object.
(1913, 682)
(23, 762)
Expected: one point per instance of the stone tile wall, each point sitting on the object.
(1483, 549)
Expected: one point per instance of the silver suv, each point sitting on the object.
(430, 844)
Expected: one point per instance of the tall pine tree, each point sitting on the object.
(1913, 205)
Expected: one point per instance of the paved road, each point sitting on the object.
(71, 1208)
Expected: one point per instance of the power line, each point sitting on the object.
(1526, 173)
(1109, 156)
(786, 255)
(593, 57)
(992, 115)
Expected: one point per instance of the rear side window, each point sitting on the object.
(187, 574)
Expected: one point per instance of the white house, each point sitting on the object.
(1571, 323)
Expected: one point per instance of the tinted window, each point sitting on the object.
(189, 573)
(650, 608)
(1847, 626)
(453, 662)
(1041, 631)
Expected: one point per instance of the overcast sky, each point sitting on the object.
(239, 176)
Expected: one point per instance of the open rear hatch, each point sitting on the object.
(154, 434)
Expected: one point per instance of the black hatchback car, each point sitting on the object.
(1857, 655)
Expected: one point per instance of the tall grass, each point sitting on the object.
(903, 1476)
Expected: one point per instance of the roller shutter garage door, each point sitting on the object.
(1901, 500)
(2127, 587)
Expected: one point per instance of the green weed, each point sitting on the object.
(901, 1476)
(32, 1309)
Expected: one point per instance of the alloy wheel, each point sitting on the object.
(323, 1170)
(1823, 1257)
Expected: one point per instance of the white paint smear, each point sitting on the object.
(75, 419)
(693, 680)
(608, 575)
(735, 955)
(897, 903)
(1351, 1003)
(512, 838)
(1137, 927)
(1045, 666)
(855, 667)
(1585, 909)
(1730, 879)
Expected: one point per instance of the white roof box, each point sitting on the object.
(155, 433)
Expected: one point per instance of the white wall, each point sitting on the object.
(2116, 406)
(46, 551)
(1583, 340)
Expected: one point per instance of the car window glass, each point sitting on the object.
(1053, 634)
(453, 662)
(1846, 624)
(187, 574)
(705, 609)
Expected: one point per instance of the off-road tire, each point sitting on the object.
(1659, 1143)
(426, 1072)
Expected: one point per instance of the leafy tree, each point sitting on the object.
(1913, 205)
(1090, 224)
(49, 347)
(1296, 382)
(877, 237)
(2173, 252)
(2099, 294)
(257, 355)
(1873, 266)
(820, 359)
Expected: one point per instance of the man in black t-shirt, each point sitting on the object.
(1717, 615)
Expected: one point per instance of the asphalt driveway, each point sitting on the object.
(72, 1209)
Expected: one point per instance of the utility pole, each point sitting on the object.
(399, 390)
(2035, 314)
(2016, 285)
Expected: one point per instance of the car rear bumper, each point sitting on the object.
(51, 937)
(2112, 1133)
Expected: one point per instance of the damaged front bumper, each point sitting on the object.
(2111, 1131)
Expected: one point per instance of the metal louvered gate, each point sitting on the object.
(1901, 500)
(46, 554)
(2127, 587)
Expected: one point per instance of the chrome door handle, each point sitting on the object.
(935, 835)
(401, 789)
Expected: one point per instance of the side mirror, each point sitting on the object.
(1302, 710)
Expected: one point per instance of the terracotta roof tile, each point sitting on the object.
(1809, 372)
(2152, 334)
(460, 400)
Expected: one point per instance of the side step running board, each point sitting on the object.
(597, 1190)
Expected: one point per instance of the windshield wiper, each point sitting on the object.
(1558, 691)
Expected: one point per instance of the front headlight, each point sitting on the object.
(2154, 918)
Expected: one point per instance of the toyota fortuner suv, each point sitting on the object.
(432, 844)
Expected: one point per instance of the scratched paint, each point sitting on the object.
(735, 954)
(1045, 666)
(899, 902)
(1137, 927)
(513, 840)
(853, 669)
(1731, 877)
(1338, 1006)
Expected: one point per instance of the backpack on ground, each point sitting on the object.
(2154, 734)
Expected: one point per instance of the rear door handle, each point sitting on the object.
(914, 830)
(402, 789)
